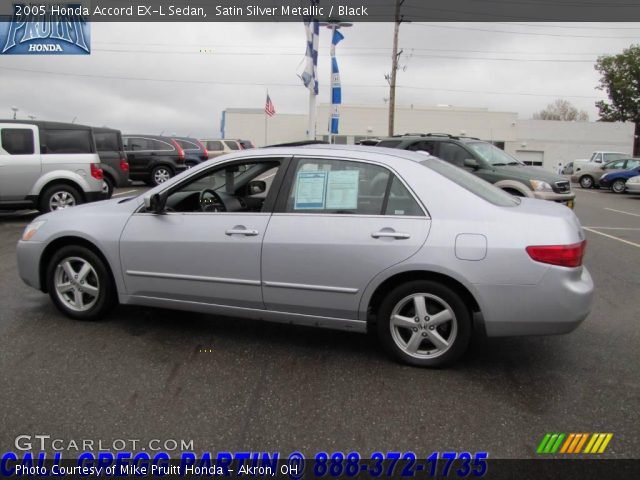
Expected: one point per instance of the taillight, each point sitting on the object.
(179, 149)
(561, 255)
(124, 165)
(204, 150)
(96, 171)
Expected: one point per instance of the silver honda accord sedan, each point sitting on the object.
(352, 238)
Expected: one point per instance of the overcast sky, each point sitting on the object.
(164, 83)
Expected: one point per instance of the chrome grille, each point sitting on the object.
(562, 187)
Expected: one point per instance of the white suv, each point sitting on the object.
(47, 165)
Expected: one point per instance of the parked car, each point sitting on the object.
(371, 142)
(194, 151)
(47, 165)
(245, 144)
(113, 159)
(616, 181)
(590, 178)
(217, 147)
(356, 238)
(567, 169)
(597, 159)
(153, 159)
(633, 184)
(489, 163)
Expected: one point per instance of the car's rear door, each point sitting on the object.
(337, 224)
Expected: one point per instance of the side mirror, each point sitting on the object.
(257, 186)
(154, 203)
(471, 163)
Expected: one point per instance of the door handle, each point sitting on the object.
(240, 230)
(391, 234)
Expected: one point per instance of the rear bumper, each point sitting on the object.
(557, 304)
(95, 196)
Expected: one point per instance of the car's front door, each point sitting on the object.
(20, 162)
(337, 225)
(206, 247)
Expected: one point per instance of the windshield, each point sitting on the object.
(493, 155)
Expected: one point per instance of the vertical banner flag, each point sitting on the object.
(309, 76)
(336, 89)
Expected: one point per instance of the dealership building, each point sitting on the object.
(536, 142)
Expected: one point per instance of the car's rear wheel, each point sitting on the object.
(618, 186)
(586, 181)
(424, 323)
(58, 197)
(79, 283)
(161, 174)
(107, 187)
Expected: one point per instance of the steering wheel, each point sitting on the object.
(210, 201)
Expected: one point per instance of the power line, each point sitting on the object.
(521, 33)
(274, 84)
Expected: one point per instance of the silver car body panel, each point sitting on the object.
(323, 270)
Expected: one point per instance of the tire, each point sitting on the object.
(586, 181)
(618, 186)
(57, 197)
(108, 187)
(413, 342)
(160, 174)
(72, 296)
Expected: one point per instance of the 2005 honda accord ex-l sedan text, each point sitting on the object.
(352, 238)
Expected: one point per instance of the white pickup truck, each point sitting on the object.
(597, 159)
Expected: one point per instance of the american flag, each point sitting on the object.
(269, 109)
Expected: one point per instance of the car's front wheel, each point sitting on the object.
(79, 283)
(424, 323)
(618, 186)
(586, 181)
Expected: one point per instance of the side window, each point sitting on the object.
(136, 144)
(214, 146)
(453, 153)
(17, 141)
(160, 145)
(232, 145)
(338, 186)
(619, 164)
(401, 202)
(67, 141)
(423, 146)
(632, 163)
(597, 158)
(106, 141)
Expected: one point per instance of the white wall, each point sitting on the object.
(563, 142)
(249, 124)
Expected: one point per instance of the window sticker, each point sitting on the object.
(310, 190)
(342, 190)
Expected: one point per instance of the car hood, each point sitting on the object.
(103, 207)
(529, 173)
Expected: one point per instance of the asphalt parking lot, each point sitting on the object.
(240, 385)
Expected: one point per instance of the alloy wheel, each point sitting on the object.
(618, 186)
(423, 325)
(586, 182)
(76, 284)
(61, 199)
(161, 175)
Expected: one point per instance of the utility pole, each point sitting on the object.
(395, 56)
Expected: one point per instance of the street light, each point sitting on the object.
(15, 112)
(333, 24)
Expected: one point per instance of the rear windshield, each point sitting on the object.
(389, 143)
(186, 145)
(474, 184)
(67, 141)
(107, 141)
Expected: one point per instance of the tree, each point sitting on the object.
(620, 78)
(562, 110)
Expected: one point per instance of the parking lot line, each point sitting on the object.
(614, 228)
(123, 193)
(612, 237)
(622, 211)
